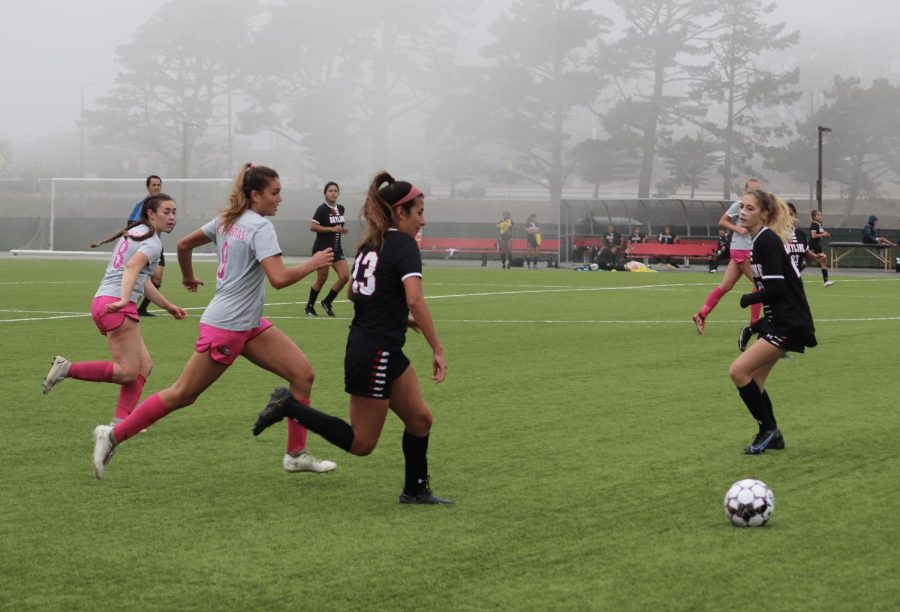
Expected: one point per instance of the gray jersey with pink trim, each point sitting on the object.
(125, 249)
(240, 279)
(739, 242)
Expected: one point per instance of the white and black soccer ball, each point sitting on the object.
(749, 503)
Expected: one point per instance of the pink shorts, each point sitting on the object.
(225, 345)
(740, 255)
(108, 322)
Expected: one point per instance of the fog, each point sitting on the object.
(60, 64)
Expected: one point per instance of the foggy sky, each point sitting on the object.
(53, 48)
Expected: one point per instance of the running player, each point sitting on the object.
(386, 289)
(154, 186)
(233, 324)
(788, 322)
(328, 225)
(738, 263)
(800, 253)
(114, 309)
(816, 233)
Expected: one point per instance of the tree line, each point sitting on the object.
(611, 90)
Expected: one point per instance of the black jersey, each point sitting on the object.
(326, 216)
(379, 299)
(815, 244)
(797, 249)
(780, 288)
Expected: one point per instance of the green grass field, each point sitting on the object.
(587, 433)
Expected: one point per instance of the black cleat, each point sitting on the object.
(778, 442)
(764, 440)
(744, 338)
(144, 313)
(311, 311)
(328, 309)
(273, 412)
(425, 498)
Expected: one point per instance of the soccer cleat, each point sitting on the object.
(829, 283)
(771, 438)
(311, 311)
(425, 498)
(700, 322)
(103, 449)
(328, 309)
(57, 373)
(273, 412)
(304, 462)
(744, 338)
(145, 313)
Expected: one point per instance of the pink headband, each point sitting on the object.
(413, 192)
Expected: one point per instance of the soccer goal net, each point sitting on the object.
(76, 212)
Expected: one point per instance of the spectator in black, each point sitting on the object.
(721, 252)
(666, 237)
(636, 237)
(612, 242)
(870, 233)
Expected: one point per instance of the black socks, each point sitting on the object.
(333, 429)
(759, 405)
(415, 451)
(330, 297)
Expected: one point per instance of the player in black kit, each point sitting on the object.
(387, 296)
(328, 225)
(800, 252)
(788, 322)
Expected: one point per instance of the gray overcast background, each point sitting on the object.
(51, 48)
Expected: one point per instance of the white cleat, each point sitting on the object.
(57, 374)
(829, 283)
(103, 449)
(304, 462)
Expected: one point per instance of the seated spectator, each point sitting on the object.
(666, 237)
(870, 233)
(612, 241)
(722, 251)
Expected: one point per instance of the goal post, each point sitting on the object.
(78, 211)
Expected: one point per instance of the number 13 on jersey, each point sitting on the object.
(364, 273)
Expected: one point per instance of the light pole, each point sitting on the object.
(821, 130)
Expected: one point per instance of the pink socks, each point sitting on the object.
(93, 371)
(297, 434)
(128, 397)
(714, 296)
(148, 412)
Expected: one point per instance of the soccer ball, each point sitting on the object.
(749, 503)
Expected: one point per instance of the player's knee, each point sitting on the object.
(420, 423)
(737, 374)
(363, 447)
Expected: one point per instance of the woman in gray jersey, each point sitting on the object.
(738, 264)
(114, 308)
(233, 324)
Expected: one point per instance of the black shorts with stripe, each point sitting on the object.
(370, 371)
(795, 339)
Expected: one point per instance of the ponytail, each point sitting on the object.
(381, 202)
(150, 203)
(249, 178)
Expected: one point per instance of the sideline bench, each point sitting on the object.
(484, 247)
(840, 250)
(686, 250)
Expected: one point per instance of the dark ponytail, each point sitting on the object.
(150, 203)
(384, 196)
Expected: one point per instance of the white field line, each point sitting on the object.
(552, 289)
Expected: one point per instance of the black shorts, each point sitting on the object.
(162, 259)
(370, 371)
(795, 340)
(532, 242)
(338, 252)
